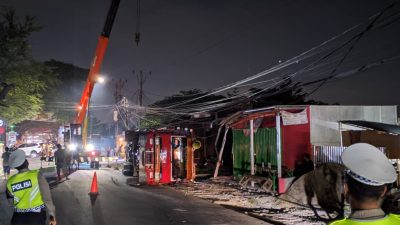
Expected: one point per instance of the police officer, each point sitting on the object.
(30, 193)
(367, 176)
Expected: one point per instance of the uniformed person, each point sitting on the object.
(368, 173)
(30, 193)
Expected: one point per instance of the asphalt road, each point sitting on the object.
(119, 203)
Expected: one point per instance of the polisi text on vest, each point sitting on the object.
(21, 185)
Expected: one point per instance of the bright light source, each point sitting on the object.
(177, 154)
(72, 147)
(100, 79)
(89, 147)
(121, 139)
(80, 107)
(93, 153)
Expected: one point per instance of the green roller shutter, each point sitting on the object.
(264, 149)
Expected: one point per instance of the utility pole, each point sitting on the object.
(141, 79)
(141, 82)
(125, 103)
(118, 85)
(116, 128)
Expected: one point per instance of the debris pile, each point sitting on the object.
(253, 201)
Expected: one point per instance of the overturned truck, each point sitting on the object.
(165, 156)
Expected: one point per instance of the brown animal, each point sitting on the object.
(326, 183)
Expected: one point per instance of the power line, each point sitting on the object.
(325, 59)
(296, 60)
(356, 40)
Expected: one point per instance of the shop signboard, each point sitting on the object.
(11, 138)
(294, 118)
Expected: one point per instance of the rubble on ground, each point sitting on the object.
(252, 200)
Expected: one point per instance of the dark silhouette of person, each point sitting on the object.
(303, 166)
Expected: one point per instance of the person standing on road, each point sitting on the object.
(30, 193)
(6, 168)
(49, 156)
(367, 176)
(68, 161)
(59, 157)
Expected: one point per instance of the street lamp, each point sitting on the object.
(100, 79)
(72, 147)
(89, 147)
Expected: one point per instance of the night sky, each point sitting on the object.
(206, 44)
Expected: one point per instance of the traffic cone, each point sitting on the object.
(94, 190)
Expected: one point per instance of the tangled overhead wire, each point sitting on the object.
(335, 58)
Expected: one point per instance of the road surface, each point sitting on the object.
(119, 203)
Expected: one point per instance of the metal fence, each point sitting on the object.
(331, 154)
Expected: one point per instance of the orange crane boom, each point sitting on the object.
(96, 63)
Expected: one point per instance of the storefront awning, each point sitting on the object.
(384, 127)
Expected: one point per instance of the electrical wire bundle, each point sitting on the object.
(338, 57)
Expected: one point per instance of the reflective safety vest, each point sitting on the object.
(390, 219)
(24, 187)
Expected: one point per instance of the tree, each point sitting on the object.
(62, 98)
(97, 127)
(5, 90)
(14, 47)
(287, 93)
(183, 96)
(168, 118)
(17, 67)
(25, 100)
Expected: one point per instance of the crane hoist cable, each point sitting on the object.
(137, 33)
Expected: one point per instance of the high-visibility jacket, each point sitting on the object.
(24, 187)
(390, 219)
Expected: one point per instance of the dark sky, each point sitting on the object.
(208, 43)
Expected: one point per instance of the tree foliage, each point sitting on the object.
(184, 96)
(287, 93)
(60, 99)
(30, 77)
(14, 35)
(97, 127)
(152, 120)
